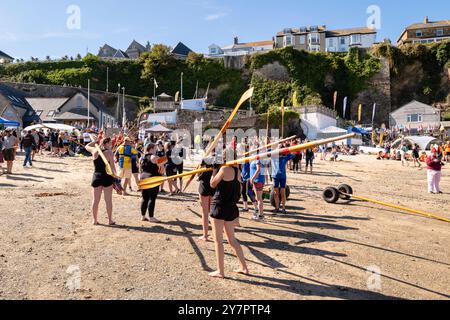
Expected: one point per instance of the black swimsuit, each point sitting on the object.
(204, 179)
(101, 178)
(224, 204)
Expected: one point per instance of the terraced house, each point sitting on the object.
(425, 32)
(319, 39)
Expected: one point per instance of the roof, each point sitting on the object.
(350, 31)
(159, 129)
(106, 46)
(15, 97)
(121, 54)
(297, 30)
(4, 55)
(415, 104)
(97, 103)
(46, 105)
(333, 129)
(249, 45)
(75, 114)
(430, 24)
(136, 45)
(181, 49)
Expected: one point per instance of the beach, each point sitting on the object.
(50, 250)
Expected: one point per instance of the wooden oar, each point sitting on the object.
(107, 165)
(247, 95)
(269, 145)
(154, 182)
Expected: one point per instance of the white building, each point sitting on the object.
(315, 119)
(343, 40)
(240, 49)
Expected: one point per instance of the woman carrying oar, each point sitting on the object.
(102, 182)
(150, 167)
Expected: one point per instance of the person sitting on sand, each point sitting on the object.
(224, 212)
(102, 182)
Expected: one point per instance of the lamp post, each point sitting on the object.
(118, 104)
(89, 103)
(107, 79)
(124, 120)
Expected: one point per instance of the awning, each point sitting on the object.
(9, 123)
(159, 129)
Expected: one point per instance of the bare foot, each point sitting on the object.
(217, 275)
(95, 223)
(154, 220)
(242, 271)
(112, 223)
(206, 239)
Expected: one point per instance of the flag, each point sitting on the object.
(155, 83)
(360, 113)
(295, 99)
(177, 96)
(345, 108)
(381, 137)
(374, 112)
(282, 107)
(373, 136)
(335, 99)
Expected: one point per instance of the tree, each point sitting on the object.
(79, 57)
(157, 59)
(48, 58)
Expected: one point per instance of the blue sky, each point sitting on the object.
(39, 28)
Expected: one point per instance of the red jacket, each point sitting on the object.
(434, 165)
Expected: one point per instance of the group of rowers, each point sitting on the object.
(220, 190)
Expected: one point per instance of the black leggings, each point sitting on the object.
(245, 189)
(296, 162)
(148, 201)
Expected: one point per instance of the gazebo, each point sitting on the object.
(159, 129)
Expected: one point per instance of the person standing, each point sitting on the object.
(206, 192)
(416, 156)
(279, 176)
(309, 156)
(36, 144)
(434, 166)
(10, 143)
(27, 144)
(297, 160)
(447, 151)
(124, 155)
(224, 212)
(149, 167)
(258, 180)
(102, 182)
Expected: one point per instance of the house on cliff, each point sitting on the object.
(14, 107)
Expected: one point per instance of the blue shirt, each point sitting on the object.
(246, 172)
(279, 165)
(254, 167)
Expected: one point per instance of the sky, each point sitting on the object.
(52, 28)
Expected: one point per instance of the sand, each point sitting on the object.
(50, 250)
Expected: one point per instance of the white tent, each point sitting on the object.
(54, 126)
(424, 142)
(159, 129)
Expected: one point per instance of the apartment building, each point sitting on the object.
(425, 32)
(240, 49)
(319, 39)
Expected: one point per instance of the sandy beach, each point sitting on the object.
(316, 251)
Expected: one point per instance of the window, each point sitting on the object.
(343, 41)
(213, 50)
(415, 117)
(302, 39)
(39, 112)
(51, 113)
(314, 38)
(418, 33)
(288, 41)
(440, 32)
(356, 38)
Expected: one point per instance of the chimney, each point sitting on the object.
(236, 40)
(426, 20)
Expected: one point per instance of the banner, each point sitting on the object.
(374, 112)
(155, 83)
(345, 108)
(295, 99)
(282, 107)
(335, 100)
(360, 113)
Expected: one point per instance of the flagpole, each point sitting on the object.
(154, 95)
(89, 103)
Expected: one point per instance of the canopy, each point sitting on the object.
(424, 142)
(9, 123)
(159, 129)
(54, 126)
(360, 131)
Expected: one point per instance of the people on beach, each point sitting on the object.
(434, 166)
(102, 182)
(309, 157)
(279, 176)
(206, 192)
(297, 160)
(28, 143)
(224, 212)
(10, 143)
(149, 167)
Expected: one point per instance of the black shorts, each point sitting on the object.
(205, 190)
(8, 155)
(102, 180)
(226, 213)
(180, 169)
(170, 171)
(309, 162)
(134, 168)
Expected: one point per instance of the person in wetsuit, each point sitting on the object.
(206, 192)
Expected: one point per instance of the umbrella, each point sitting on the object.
(9, 123)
